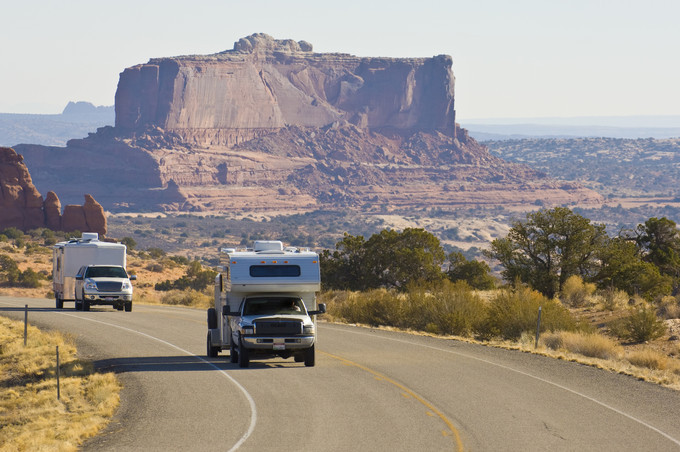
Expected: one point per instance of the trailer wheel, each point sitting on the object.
(243, 355)
(128, 306)
(309, 357)
(233, 354)
(212, 351)
(79, 305)
(60, 303)
(212, 319)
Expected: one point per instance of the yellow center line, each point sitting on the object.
(378, 375)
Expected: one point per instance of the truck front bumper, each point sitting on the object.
(107, 298)
(277, 343)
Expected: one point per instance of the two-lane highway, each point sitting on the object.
(370, 390)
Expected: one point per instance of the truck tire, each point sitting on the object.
(212, 319)
(86, 305)
(309, 357)
(60, 302)
(233, 354)
(79, 305)
(243, 355)
(128, 306)
(211, 351)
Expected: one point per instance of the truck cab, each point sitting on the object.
(265, 304)
(103, 285)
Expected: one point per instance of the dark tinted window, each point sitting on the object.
(106, 272)
(274, 271)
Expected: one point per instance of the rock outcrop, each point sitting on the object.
(22, 206)
(271, 125)
(263, 85)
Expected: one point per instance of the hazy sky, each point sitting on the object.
(519, 58)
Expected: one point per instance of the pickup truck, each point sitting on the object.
(103, 285)
(273, 325)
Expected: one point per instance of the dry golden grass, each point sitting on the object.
(592, 345)
(31, 416)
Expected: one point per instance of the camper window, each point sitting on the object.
(274, 271)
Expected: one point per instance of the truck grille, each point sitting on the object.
(109, 286)
(278, 327)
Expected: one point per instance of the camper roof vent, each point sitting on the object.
(90, 236)
(268, 245)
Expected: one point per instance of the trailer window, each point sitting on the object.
(274, 271)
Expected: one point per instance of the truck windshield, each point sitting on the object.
(106, 272)
(273, 306)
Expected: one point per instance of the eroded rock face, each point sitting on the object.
(264, 84)
(22, 206)
(271, 125)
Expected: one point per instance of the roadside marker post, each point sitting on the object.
(58, 392)
(25, 324)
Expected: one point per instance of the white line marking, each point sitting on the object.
(251, 402)
(609, 407)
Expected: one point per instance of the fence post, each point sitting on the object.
(538, 326)
(25, 324)
(58, 391)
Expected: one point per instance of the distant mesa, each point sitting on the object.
(272, 125)
(84, 108)
(22, 206)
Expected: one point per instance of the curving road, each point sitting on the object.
(370, 390)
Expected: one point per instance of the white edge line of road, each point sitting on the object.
(251, 402)
(609, 407)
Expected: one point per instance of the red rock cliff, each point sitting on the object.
(22, 206)
(264, 84)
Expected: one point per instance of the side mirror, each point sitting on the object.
(321, 310)
(133, 277)
(79, 277)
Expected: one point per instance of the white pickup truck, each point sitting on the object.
(103, 285)
(265, 304)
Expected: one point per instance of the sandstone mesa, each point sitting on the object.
(271, 125)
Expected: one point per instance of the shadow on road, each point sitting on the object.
(179, 364)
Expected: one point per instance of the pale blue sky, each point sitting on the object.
(519, 58)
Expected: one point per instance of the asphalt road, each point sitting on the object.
(370, 390)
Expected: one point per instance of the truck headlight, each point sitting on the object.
(127, 286)
(248, 329)
(91, 285)
(308, 329)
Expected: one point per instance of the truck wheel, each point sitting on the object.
(243, 358)
(212, 319)
(79, 305)
(212, 351)
(309, 357)
(233, 354)
(86, 305)
(128, 306)
(60, 303)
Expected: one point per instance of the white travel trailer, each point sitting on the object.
(69, 257)
(265, 303)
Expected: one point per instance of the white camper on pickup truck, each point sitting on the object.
(265, 304)
(73, 265)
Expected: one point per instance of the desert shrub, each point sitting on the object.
(187, 298)
(650, 359)
(640, 325)
(373, 307)
(669, 308)
(448, 308)
(613, 298)
(513, 311)
(180, 260)
(155, 267)
(29, 278)
(129, 242)
(13, 233)
(575, 292)
(155, 253)
(592, 345)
